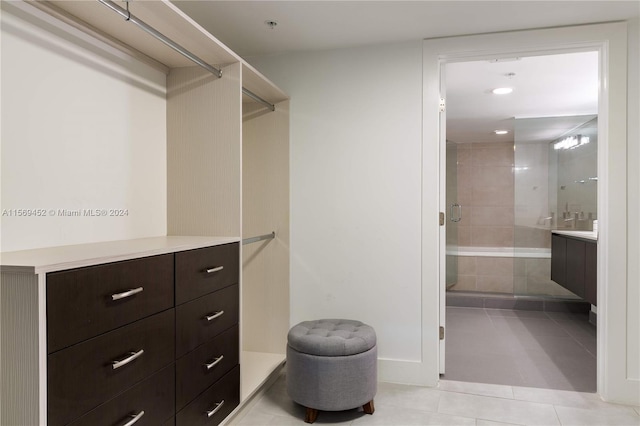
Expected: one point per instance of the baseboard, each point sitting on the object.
(404, 372)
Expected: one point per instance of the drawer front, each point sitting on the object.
(83, 376)
(227, 389)
(80, 302)
(194, 372)
(192, 326)
(153, 396)
(201, 271)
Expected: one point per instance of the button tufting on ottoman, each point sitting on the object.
(332, 366)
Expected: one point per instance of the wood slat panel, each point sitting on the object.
(265, 185)
(19, 349)
(203, 152)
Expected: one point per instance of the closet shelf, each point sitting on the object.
(257, 83)
(94, 18)
(165, 18)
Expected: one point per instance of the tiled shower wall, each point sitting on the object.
(485, 184)
(486, 193)
(507, 275)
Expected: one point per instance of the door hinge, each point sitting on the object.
(442, 105)
(441, 218)
(441, 333)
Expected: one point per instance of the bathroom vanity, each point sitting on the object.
(574, 262)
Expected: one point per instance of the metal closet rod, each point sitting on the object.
(153, 32)
(126, 14)
(270, 236)
(258, 99)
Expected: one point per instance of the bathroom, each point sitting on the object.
(520, 165)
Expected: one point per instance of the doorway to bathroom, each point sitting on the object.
(521, 164)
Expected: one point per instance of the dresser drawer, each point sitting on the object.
(227, 389)
(80, 302)
(154, 397)
(194, 372)
(202, 271)
(202, 319)
(83, 376)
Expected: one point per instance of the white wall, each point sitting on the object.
(356, 188)
(83, 127)
(354, 147)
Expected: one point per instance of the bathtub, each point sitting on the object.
(527, 252)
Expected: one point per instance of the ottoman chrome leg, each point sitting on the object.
(368, 407)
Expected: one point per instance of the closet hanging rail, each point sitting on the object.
(126, 14)
(258, 99)
(260, 238)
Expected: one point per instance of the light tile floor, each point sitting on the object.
(452, 403)
(480, 338)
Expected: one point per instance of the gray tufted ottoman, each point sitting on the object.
(332, 366)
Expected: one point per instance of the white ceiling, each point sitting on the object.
(544, 86)
(312, 25)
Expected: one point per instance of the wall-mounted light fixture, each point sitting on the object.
(571, 142)
(500, 132)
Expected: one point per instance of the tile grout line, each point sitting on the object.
(557, 415)
(574, 338)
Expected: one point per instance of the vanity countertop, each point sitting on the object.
(588, 235)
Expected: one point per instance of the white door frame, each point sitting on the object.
(610, 40)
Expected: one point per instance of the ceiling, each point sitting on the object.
(559, 85)
(563, 85)
(313, 25)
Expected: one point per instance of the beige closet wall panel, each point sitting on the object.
(19, 349)
(265, 280)
(204, 152)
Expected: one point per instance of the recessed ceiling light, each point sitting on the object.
(502, 91)
(500, 132)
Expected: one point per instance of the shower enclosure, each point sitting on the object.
(513, 195)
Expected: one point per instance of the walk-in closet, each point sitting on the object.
(226, 153)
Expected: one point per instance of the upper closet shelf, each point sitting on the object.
(165, 18)
(260, 85)
(102, 22)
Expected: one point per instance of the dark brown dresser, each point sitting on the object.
(149, 340)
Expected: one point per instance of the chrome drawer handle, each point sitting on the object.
(134, 419)
(214, 363)
(127, 360)
(216, 409)
(216, 269)
(127, 293)
(214, 315)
